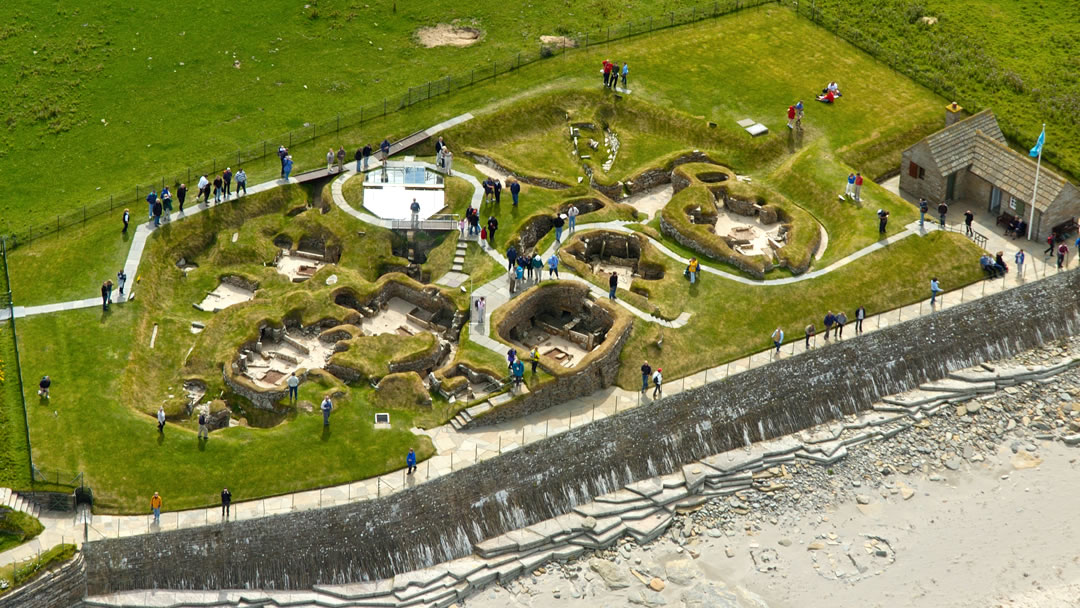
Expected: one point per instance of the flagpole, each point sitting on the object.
(1035, 191)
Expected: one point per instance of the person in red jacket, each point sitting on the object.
(791, 117)
(607, 72)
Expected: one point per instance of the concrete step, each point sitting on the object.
(457, 268)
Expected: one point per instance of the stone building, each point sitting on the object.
(970, 161)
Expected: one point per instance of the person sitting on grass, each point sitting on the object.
(827, 97)
(43, 387)
(988, 266)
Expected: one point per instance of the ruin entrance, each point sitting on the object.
(606, 252)
(230, 292)
(562, 322)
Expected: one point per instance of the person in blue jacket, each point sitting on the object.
(410, 460)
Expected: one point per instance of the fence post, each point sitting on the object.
(586, 39)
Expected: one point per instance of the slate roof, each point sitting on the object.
(1013, 171)
(953, 147)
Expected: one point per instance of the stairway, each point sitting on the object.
(459, 254)
(11, 499)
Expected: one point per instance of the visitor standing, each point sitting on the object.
(384, 147)
(646, 373)
(219, 188)
(204, 189)
(461, 228)
(553, 266)
(367, 155)
(204, 431)
(607, 72)
(126, 219)
(241, 182)
(860, 315)
(105, 296)
(558, 222)
(448, 160)
(227, 177)
(935, 289)
(968, 218)
(830, 320)
(858, 187)
(1018, 258)
(534, 358)
(326, 407)
(282, 152)
(497, 187)
(515, 190)
(294, 387)
(359, 158)
(841, 321)
(791, 117)
(410, 461)
(625, 73)
(537, 266)
(809, 334)
(883, 220)
(1062, 251)
(849, 189)
(414, 208)
(166, 203)
(658, 383)
(613, 284)
(488, 190)
(924, 207)
(341, 159)
(518, 370)
(329, 159)
(150, 200)
(439, 145)
(161, 419)
(121, 279)
(492, 225)
(155, 506)
(571, 216)
(158, 210)
(942, 210)
(226, 502)
(511, 257)
(288, 166)
(181, 195)
(511, 356)
(692, 270)
(778, 339)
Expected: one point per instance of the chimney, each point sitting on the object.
(954, 112)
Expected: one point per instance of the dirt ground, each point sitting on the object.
(445, 34)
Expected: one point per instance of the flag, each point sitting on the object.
(1037, 150)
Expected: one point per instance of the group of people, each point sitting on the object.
(612, 73)
(444, 158)
(943, 211)
(829, 93)
(657, 378)
(339, 156)
(286, 162)
(795, 115)
(996, 266)
(107, 289)
(525, 267)
(853, 189)
(834, 326)
(517, 367)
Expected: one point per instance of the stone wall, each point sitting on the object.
(932, 186)
(598, 374)
(427, 362)
(697, 246)
(63, 587)
(543, 182)
(650, 178)
(442, 519)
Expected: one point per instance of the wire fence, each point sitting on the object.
(268, 147)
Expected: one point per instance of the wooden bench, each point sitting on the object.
(1006, 219)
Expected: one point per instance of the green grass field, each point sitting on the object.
(1019, 58)
(107, 379)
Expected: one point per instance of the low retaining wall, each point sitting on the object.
(63, 587)
(443, 519)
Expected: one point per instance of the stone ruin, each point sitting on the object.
(403, 310)
(232, 290)
(301, 263)
(279, 352)
(749, 227)
(474, 386)
(606, 252)
(561, 319)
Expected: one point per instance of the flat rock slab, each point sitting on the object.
(746, 122)
(649, 528)
(359, 591)
(757, 129)
(647, 487)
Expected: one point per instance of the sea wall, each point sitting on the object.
(442, 519)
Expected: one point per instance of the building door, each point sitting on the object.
(995, 200)
(950, 186)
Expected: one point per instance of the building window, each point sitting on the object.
(915, 170)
